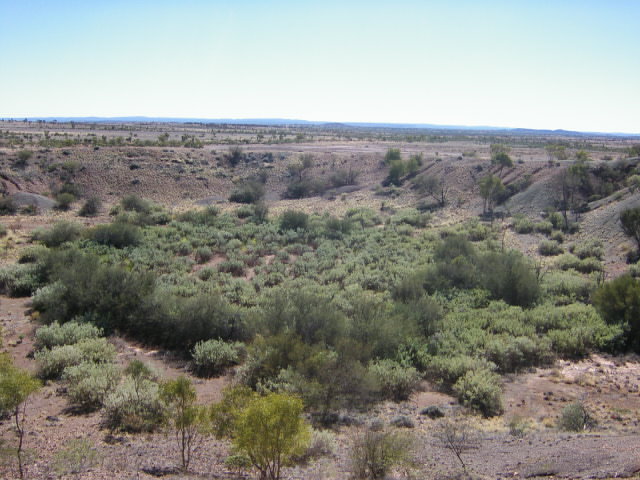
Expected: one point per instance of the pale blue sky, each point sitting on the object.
(571, 64)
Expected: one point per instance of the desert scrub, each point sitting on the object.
(60, 233)
(396, 381)
(91, 207)
(52, 362)
(566, 287)
(323, 443)
(134, 406)
(575, 418)
(572, 262)
(522, 224)
(588, 248)
(375, 453)
(88, 384)
(212, 357)
(117, 235)
(480, 390)
(20, 280)
(56, 335)
(549, 248)
(557, 236)
(447, 370)
(203, 255)
(544, 227)
(513, 354)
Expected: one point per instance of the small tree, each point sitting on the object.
(16, 386)
(618, 301)
(630, 220)
(392, 155)
(271, 432)
(434, 187)
(491, 188)
(186, 418)
(235, 155)
(396, 170)
(502, 160)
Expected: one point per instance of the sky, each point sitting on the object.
(548, 64)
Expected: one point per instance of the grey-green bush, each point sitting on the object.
(134, 406)
(56, 335)
(88, 384)
(212, 357)
(575, 418)
(549, 248)
(480, 390)
(395, 380)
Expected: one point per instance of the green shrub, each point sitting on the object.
(550, 248)
(237, 463)
(134, 406)
(232, 266)
(293, 220)
(64, 200)
(544, 227)
(575, 418)
(516, 353)
(88, 384)
(118, 235)
(91, 207)
(618, 301)
(51, 363)
(522, 225)
(510, 277)
(447, 370)
(206, 216)
(212, 357)
(392, 154)
(342, 177)
(567, 286)
(589, 248)
(556, 220)
(133, 203)
(96, 350)
(20, 280)
(7, 206)
(480, 390)
(69, 333)
(557, 236)
(203, 255)
(249, 191)
(60, 233)
(396, 381)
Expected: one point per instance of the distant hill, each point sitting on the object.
(334, 125)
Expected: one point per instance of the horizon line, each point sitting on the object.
(303, 122)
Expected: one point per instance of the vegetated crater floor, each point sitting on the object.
(608, 386)
(180, 178)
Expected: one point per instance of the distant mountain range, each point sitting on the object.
(293, 122)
